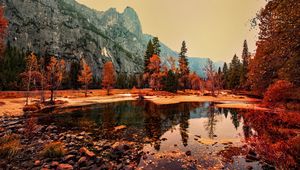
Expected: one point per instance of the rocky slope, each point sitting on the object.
(67, 29)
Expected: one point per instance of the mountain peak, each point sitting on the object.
(131, 21)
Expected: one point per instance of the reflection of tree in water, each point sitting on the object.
(184, 124)
(225, 111)
(211, 122)
(159, 119)
(235, 117)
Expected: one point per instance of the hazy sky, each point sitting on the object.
(211, 28)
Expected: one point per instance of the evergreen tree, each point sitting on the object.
(225, 76)
(73, 74)
(245, 63)
(170, 82)
(184, 70)
(156, 46)
(234, 73)
(148, 54)
(12, 64)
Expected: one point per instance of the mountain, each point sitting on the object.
(69, 30)
(198, 64)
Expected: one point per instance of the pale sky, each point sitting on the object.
(211, 28)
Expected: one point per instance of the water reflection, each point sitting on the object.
(197, 127)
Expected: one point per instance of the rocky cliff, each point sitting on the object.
(67, 29)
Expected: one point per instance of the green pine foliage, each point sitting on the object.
(156, 46)
(234, 73)
(170, 82)
(11, 65)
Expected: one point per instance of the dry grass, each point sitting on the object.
(9, 146)
(53, 150)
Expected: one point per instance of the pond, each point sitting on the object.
(185, 135)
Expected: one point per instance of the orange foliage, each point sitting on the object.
(56, 69)
(85, 76)
(3, 27)
(277, 92)
(108, 76)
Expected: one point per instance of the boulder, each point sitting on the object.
(86, 152)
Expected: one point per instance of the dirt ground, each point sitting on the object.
(11, 103)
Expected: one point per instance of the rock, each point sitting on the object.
(50, 128)
(249, 167)
(86, 152)
(79, 137)
(188, 153)
(118, 128)
(54, 164)
(82, 161)
(21, 130)
(65, 167)
(37, 163)
(69, 157)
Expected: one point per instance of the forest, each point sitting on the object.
(58, 113)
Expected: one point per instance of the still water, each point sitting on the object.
(185, 135)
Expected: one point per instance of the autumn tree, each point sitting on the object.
(55, 71)
(184, 70)
(196, 81)
(154, 67)
(85, 76)
(277, 53)
(108, 76)
(3, 28)
(210, 74)
(31, 73)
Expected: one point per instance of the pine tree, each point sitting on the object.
(148, 54)
(170, 82)
(234, 73)
(245, 64)
(156, 46)
(225, 76)
(184, 70)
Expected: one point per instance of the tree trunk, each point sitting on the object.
(52, 96)
(28, 87)
(85, 90)
(107, 92)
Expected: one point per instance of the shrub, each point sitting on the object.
(31, 108)
(30, 126)
(9, 146)
(277, 93)
(53, 150)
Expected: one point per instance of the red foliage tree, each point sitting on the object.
(108, 76)
(85, 77)
(277, 92)
(3, 28)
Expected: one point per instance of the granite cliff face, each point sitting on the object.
(67, 29)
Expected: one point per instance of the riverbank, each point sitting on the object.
(13, 105)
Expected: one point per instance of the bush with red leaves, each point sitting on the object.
(277, 93)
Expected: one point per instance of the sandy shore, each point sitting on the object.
(13, 106)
